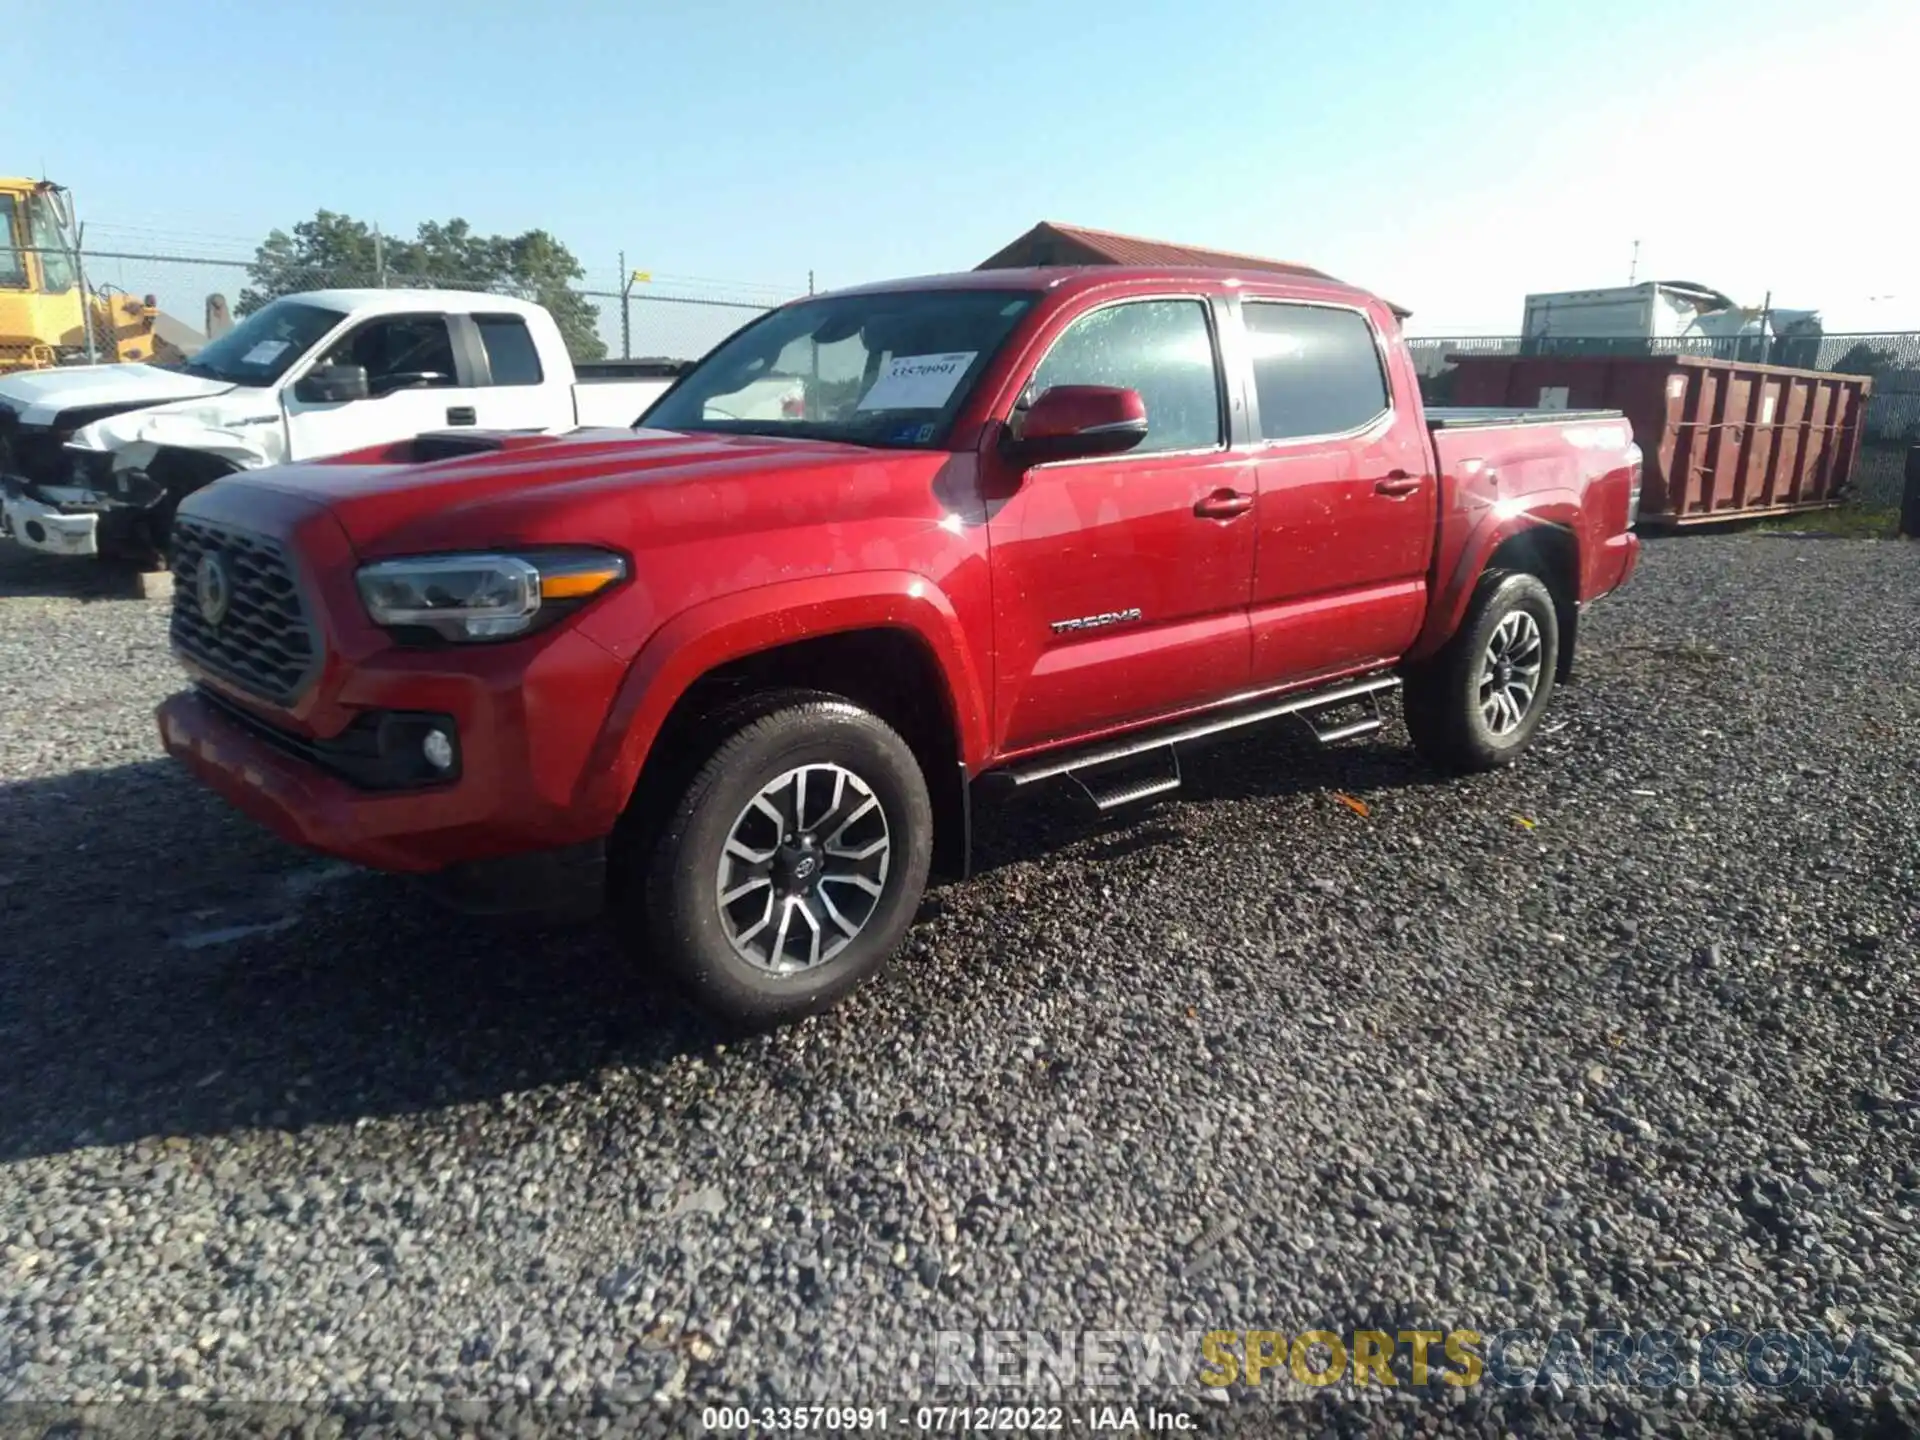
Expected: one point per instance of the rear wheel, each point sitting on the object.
(790, 867)
(1477, 704)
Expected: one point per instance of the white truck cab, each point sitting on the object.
(93, 459)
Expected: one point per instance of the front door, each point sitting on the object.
(1347, 498)
(417, 379)
(1120, 584)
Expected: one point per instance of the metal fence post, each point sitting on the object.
(626, 309)
(86, 294)
(1910, 496)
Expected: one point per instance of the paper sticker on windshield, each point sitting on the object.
(265, 353)
(917, 382)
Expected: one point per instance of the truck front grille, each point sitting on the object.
(237, 611)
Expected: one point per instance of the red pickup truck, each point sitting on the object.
(743, 670)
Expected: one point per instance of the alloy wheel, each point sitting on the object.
(804, 868)
(1510, 673)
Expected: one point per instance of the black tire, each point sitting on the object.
(670, 909)
(1444, 695)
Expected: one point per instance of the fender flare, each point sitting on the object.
(1498, 523)
(733, 627)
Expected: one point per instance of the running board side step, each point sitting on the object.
(1109, 794)
(1137, 778)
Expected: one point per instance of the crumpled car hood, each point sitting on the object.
(41, 395)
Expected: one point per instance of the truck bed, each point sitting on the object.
(1466, 417)
(594, 372)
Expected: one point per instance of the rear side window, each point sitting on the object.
(1316, 371)
(510, 351)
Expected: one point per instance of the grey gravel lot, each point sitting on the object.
(1624, 1037)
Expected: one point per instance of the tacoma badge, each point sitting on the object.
(1095, 622)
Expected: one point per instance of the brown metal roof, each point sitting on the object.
(1134, 250)
(1115, 249)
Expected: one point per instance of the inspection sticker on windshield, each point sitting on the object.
(265, 353)
(917, 382)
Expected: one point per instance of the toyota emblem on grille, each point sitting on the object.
(213, 589)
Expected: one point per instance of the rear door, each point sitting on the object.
(516, 392)
(419, 378)
(1345, 521)
(1120, 583)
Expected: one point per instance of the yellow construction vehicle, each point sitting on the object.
(49, 315)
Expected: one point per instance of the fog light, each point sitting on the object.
(438, 749)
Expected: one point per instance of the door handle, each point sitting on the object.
(1223, 505)
(1397, 483)
(460, 415)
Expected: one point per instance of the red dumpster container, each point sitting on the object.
(1722, 439)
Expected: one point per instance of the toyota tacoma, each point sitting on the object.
(743, 679)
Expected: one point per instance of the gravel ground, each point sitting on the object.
(1624, 1037)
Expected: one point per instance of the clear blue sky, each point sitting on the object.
(1449, 153)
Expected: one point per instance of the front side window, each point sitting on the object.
(511, 355)
(1316, 370)
(400, 352)
(45, 237)
(265, 345)
(1161, 348)
(888, 368)
(13, 269)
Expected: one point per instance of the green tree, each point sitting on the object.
(1864, 359)
(337, 250)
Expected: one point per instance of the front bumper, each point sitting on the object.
(492, 812)
(409, 832)
(47, 529)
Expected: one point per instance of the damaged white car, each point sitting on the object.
(94, 459)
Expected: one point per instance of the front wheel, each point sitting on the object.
(791, 866)
(1477, 704)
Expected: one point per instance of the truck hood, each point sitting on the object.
(41, 395)
(603, 486)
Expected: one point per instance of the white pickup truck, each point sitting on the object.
(94, 459)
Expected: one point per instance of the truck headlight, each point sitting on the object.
(485, 597)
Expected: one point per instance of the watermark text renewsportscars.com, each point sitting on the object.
(1090, 1361)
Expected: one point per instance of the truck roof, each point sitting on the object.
(1070, 279)
(454, 302)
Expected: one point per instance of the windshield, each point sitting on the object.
(263, 347)
(887, 369)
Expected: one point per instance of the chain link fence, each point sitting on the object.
(676, 317)
(76, 307)
(68, 307)
(1892, 358)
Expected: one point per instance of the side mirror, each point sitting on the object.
(331, 384)
(1073, 422)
